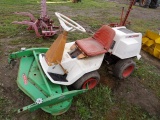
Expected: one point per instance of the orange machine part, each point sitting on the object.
(55, 52)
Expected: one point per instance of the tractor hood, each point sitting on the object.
(126, 43)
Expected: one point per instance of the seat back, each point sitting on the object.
(105, 36)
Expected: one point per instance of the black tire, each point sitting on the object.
(144, 3)
(124, 68)
(153, 4)
(91, 79)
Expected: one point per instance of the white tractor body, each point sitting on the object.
(75, 67)
(126, 43)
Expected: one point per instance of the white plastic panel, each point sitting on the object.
(75, 67)
(127, 43)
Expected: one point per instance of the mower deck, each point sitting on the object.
(54, 99)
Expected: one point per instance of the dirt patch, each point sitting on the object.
(136, 93)
(132, 90)
(151, 59)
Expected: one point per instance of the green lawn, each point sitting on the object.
(99, 103)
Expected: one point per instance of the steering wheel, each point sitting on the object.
(68, 24)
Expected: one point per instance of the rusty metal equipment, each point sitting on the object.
(123, 21)
(43, 26)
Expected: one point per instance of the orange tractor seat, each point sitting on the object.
(99, 43)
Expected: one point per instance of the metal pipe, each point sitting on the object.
(127, 13)
(120, 24)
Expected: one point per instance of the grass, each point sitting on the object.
(148, 75)
(99, 103)
(88, 107)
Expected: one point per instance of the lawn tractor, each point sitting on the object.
(51, 77)
(43, 26)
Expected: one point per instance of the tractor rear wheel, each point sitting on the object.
(124, 68)
(87, 81)
(144, 3)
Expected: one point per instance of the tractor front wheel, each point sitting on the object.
(124, 68)
(87, 81)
